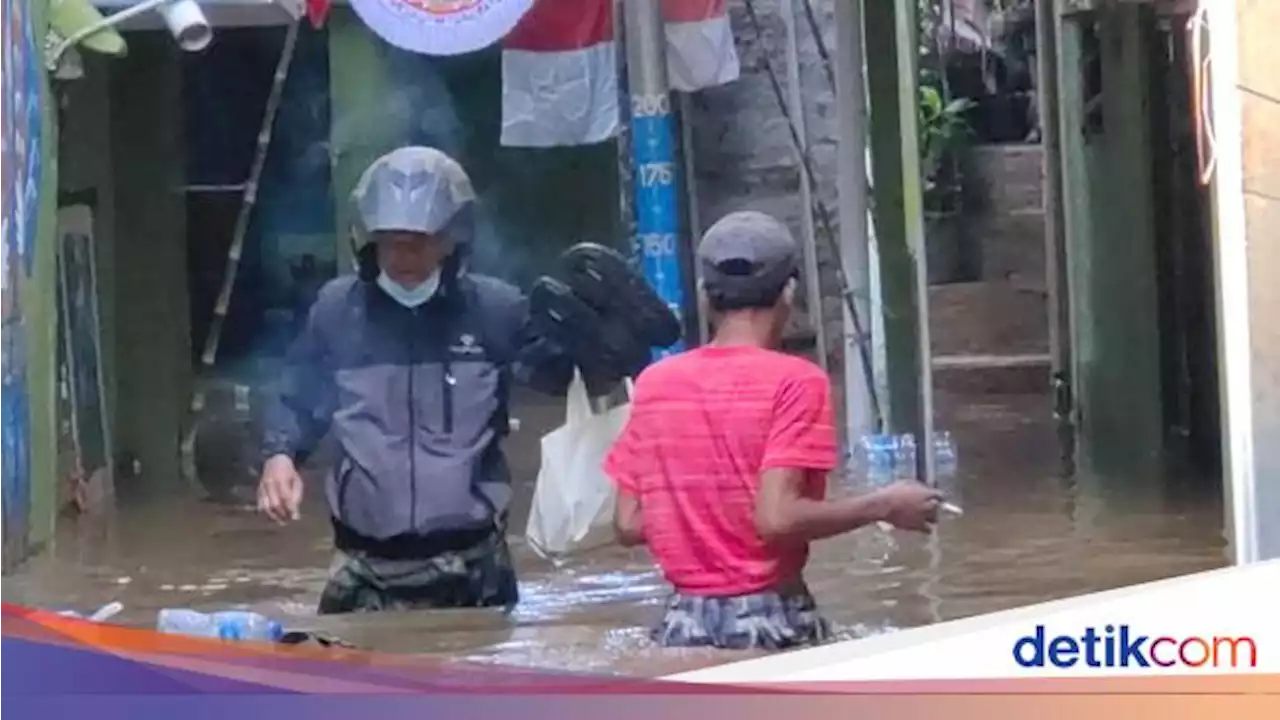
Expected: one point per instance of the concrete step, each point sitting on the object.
(988, 319)
(1005, 178)
(1012, 244)
(992, 374)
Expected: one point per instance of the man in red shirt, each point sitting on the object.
(721, 469)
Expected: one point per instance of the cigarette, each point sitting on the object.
(952, 508)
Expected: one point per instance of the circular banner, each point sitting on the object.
(441, 27)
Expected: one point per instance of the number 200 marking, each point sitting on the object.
(650, 105)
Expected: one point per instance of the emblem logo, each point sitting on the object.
(442, 7)
(467, 345)
(441, 27)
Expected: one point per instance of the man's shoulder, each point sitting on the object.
(657, 371)
(335, 293)
(795, 367)
(337, 287)
(767, 363)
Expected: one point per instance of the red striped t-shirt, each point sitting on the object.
(704, 426)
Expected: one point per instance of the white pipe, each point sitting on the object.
(795, 99)
(182, 18)
(1232, 270)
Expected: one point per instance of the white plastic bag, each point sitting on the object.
(573, 500)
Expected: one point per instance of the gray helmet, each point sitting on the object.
(418, 189)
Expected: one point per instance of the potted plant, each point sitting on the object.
(944, 135)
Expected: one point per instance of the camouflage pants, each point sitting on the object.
(760, 621)
(479, 576)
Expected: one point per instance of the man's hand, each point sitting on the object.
(280, 489)
(910, 505)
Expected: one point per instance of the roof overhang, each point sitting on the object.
(220, 13)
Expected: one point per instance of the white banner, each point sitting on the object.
(441, 27)
(1215, 623)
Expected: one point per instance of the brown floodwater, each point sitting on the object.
(1027, 535)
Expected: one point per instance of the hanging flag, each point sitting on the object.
(560, 75)
(318, 12)
(700, 51)
(560, 70)
(441, 27)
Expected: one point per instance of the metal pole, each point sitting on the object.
(691, 200)
(653, 149)
(906, 33)
(795, 99)
(852, 190)
(626, 168)
(1055, 236)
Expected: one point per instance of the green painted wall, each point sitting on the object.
(897, 211)
(151, 325)
(40, 306)
(1111, 246)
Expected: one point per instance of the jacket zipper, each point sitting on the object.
(413, 428)
(447, 380)
(446, 387)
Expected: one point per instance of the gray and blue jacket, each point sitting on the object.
(417, 401)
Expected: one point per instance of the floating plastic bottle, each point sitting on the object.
(103, 614)
(231, 625)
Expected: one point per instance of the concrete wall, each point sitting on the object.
(1259, 92)
(152, 341)
(742, 148)
(84, 164)
(122, 139)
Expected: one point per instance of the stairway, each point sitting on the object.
(992, 336)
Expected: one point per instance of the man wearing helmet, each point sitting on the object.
(409, 363)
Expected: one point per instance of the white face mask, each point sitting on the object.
(410, 297)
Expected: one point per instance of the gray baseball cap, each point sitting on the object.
(419, 189)
(747, 256)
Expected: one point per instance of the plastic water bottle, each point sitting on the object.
(904, 458)
(944, 455)
(874, 459)
(946, 461)
(231, 625)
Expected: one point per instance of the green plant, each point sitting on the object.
(944, 134)
(944, 131)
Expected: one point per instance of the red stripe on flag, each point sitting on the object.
(555, 25)
(678, 11)
(318, 12)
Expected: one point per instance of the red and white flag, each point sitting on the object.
(560, 67)
(700, 51)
